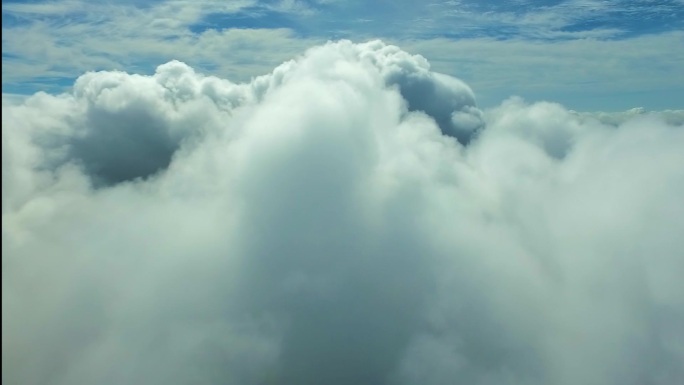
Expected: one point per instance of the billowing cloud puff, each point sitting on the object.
(351, 217)
(121, 127)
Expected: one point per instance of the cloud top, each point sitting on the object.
(352, 217)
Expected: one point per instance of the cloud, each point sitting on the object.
(616, 55)
(351, 217)
(584, 74)
(62, 39)
(673, 117)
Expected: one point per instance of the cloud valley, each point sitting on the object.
(351, 217)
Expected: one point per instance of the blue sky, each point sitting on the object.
(585, 54)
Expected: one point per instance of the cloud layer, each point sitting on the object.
(351, 217)
(614, 54)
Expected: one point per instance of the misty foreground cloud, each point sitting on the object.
(350, 218)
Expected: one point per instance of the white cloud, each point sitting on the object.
(316, 226)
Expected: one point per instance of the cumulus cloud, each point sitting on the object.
(352, 217)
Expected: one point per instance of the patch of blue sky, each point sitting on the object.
(24, 2)
(499, 20)
(47, 84)
(458, 30)
(641, 13)
(249, 18)
(7, 56)
(626, 29)
(8, 18)
(632, 17)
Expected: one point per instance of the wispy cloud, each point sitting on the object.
(86, 36)
(541, 20)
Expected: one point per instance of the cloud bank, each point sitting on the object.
(352, 217)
